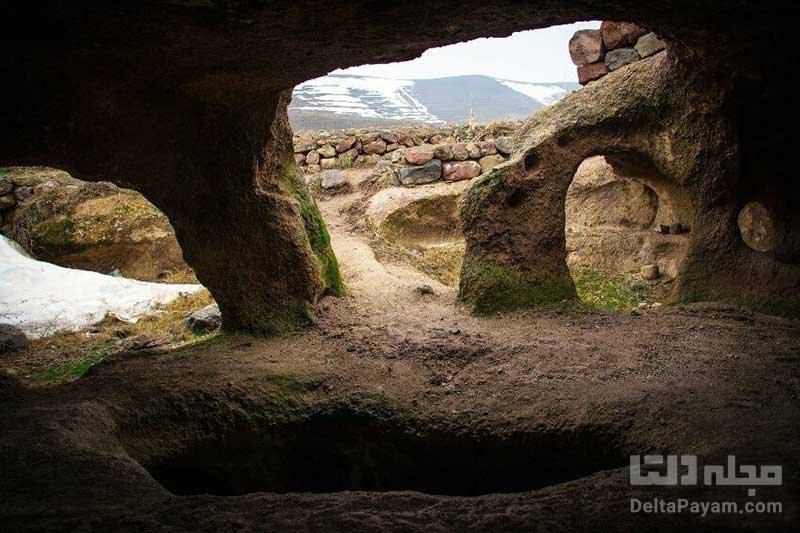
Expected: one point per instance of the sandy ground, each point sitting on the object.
(702, 379)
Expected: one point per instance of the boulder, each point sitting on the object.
(375, 147)
(436, 139)
(299, 159)
(585, 47)
(12, 338)
(369, 137)
(406, 140)
(346, 144)
(504, 145)
(205, 320)
(488, 162)
(649, 44)
(333, 179)
(312, 158)
(460, 152)
(327, 162)
(620, 57)
(385, 175)
(591, 72)
(416, 175)
(443, 152)
(327, 150)
(463, 170)
(419, 156)
(618, 34)
(397, 155)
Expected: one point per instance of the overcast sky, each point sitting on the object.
(537, 56)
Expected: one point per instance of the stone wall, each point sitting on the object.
(409, 155)
(614, 45)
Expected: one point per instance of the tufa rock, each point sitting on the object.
(462, 170)
(649, 44)
(205, 320)
(620, 57)
(585, 47)
(12, 338)
(427, 173)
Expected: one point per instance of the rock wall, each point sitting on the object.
(614, 45)
(413, 155)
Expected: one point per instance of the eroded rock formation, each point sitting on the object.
(638, 118)
(186, 102)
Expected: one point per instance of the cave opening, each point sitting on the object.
(627, 230)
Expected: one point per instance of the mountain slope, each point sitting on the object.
(341, 101)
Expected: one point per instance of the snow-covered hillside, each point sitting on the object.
(363, 100)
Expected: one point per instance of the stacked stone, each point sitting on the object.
(614, 45)
(414, 155)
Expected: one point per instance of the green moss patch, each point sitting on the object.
(607, 291)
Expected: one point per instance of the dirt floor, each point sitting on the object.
(401, 411)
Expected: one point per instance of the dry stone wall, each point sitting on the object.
(409, 155)
(614, 45)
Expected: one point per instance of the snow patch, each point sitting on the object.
(546, 94)
(41, 298)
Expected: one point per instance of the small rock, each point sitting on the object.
(347, 157)
(649, 272)
(620, 57)
(333, 179)
(312, 157)
(427, 173)
(12, 338)
(313, 169)
(299, 159)
(406, 140)
(649, 44)
(327, 151)
(375, 147)
(328, 162)
(425, 289)
(460, 152)
(490, 161)
(504, 145)
(370, 137)
(304, 142)
(6, 185)
(463, 170)
(419, 156)
(436, 139)
(115, 273)
(443, 152)
(488, 148)
(7, 201)
(205, 320)
(591, 72)
(473, 150)
(346, 144)
(389, 137)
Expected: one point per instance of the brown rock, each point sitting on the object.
(488, 148)
(346, 144)
(312, 158)
(392, 147)
(419, 156)
(370, 137)
(406, 140)
(375, 147)
(443, 152)
(617, 34)
(436, 139)
(591, 72)
(460, 152)
(585, 47)
(389, 137)
(649, 44)
(462, 170)
(473, 150)
(299, 159)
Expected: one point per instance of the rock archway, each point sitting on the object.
(513, 219)
(186, 102)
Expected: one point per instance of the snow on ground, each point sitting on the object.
(545, 94)
(42, 298)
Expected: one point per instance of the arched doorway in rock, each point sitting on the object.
(627, 232)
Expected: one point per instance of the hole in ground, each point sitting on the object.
(350, 451)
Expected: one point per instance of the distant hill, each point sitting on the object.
(344, 101)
